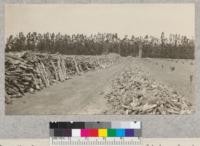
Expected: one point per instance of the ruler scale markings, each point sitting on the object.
(146, 142)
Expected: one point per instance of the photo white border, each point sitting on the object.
(154, 126)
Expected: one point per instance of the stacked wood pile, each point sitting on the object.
(32, 72)
(134, 92)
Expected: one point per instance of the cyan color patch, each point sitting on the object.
(120, 132)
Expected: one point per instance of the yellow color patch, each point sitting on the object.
(102, 132)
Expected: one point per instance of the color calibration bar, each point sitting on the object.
(95, 129)
(95, 133)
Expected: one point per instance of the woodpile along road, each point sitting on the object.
(107, 84)
(32, 72)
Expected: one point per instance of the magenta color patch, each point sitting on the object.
(85, 132)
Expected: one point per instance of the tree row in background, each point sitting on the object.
(174, 46)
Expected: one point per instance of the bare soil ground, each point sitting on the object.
(85, 94)
(179, 78)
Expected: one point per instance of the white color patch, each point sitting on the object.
(76, 132)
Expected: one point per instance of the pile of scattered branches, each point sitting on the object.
(32, 72)
(134, 92)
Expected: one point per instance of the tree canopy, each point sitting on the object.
(173, 46)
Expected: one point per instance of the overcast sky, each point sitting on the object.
(124, 19)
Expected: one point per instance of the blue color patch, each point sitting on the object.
(129, 132)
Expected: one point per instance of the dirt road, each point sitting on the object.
(79, 95)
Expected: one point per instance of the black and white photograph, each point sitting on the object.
(99, 59)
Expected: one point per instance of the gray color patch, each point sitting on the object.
(137, 132)
(97, 125)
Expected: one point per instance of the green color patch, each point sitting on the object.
(111, 132)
